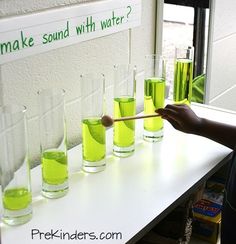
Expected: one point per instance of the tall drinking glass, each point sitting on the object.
(154, 96)
(183, 75)
(14, 166)
(93, 132)
(124, 105)
(53, 143)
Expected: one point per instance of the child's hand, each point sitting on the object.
(181, 117)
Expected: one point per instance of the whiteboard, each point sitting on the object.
(26, 35)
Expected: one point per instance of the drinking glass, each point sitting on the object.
(93, 132)
(124, 105)
(14, 166)
(53, 143)
(154, 96)
(183, 75)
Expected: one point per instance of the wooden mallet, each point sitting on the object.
(108, 121)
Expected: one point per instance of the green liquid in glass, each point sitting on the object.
(183, 76)
(93, 133)
(16, 198)
(154, 97)
(124, 131)
(54, 167)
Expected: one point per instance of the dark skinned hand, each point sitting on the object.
(184, 119)
(181, 117)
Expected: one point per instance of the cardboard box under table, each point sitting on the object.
(206, 222)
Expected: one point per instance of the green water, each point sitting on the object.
(16, 198)
(54, 167)
(154, 98)
(183, 75)
(124, 131)
(94, 139)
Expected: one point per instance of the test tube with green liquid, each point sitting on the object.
(154, 96)
(93, 132)
(124, 105)
(53, 143)
(14, 166)
(183, 75)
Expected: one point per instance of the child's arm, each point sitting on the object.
(184, 119)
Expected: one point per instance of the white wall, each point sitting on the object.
(221, 72)
(14, 7)
(20, 80)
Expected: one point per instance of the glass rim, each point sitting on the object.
(12, 108)
(155, 55)
(184, 47)
(133, 66)
(83, 75)
(51, 91)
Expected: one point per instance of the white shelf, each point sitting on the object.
(132, 193)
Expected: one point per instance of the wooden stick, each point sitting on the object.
(136, 117)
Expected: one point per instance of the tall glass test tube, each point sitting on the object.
(183, 75)
(124, 105)
(14, 166)
(53, 143)
(93, 132)
(154, 96)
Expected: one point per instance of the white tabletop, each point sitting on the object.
(131, 194)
